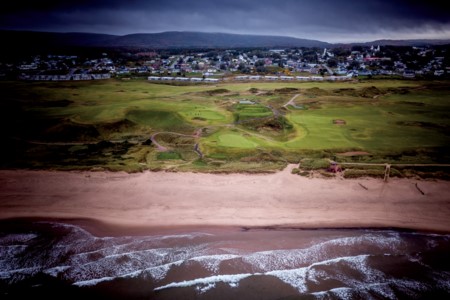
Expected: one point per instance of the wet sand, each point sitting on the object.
(167, 200)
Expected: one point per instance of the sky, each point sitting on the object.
(325, 20)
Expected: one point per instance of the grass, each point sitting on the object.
(168, 155)
(57, 124)
(250, 111)
(161, 120)
(314, 164)
(235, 141)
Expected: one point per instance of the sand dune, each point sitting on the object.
(163, 199)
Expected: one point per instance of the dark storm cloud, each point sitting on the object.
(320, 19)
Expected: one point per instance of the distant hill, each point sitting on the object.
(422, 42)
(33, 40)
(176, 39)
(173, 39)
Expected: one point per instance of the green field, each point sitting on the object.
(108, 124)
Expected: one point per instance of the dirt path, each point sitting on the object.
(154, 142)
(291, 101)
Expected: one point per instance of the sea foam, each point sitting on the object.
(232, 280)
(76, 256)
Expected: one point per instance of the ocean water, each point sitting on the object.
(63, 261)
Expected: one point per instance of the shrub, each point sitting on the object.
(295, 171)
(356, 173)
(314, 164)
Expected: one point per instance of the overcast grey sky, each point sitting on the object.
(325, 20)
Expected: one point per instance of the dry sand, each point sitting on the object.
(165, 199)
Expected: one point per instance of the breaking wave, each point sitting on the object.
(330, 264)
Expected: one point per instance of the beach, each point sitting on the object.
(177, 200)
(164, 235)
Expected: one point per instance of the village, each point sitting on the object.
(303, 64)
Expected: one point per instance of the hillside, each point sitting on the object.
(174, 39)
(178, 39)
(418, 43)
(33, 40)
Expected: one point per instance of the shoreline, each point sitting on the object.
(140, 203)
(101, 229)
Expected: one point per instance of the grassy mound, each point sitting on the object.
(286, 90)
(215, 92)
(370, 92)
(250, 111)
(366, 92)
(123, 126)
(274, 126)
(64, 130)
(159, 120)
(315, 91)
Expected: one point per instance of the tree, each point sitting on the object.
(275, 55)
(261, 69)
(354, 65)
(332, 63)
(259, 63)
(211, 54)
(310, 56)
(387, 64)
(341, 52)
(260, 66)
(357, 48)
(243, 68)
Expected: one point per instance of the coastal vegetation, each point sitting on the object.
(226, 127)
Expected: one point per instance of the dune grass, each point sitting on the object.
(389, 119)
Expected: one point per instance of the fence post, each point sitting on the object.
(387, 170)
